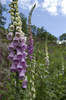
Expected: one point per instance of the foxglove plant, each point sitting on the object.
(30, 47)
(17, 47)
(62, 63)
(30, 40)
(30, 54)
(46, 51)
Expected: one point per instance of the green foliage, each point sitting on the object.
(49, 82)
(40, 33)
(51, 85)
(2, 22)
(63, 36)
(2, 18)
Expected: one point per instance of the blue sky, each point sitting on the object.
(48, 13)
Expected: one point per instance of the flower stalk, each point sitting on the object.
(17, 47)
(30, 40)
(46, 51)
(31, 58)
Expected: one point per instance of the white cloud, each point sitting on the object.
(54, 6)
(63, 7)
(50, 6)
(28, 3)
(25, 4)
(3, 1)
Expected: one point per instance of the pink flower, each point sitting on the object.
(9, 36)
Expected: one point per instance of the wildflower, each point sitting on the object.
(17, 47)
(13, 68)
(30, 47)
(9, 36)
(30, 54)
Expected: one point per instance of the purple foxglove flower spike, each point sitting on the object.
(18, 45)
(30, 46)
(30, 41)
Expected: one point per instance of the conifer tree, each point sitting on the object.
(2, 18)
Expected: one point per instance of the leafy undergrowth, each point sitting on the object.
(49, 81)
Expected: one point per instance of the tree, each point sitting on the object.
(41, 34)
(51, 37)
(34, 29)
(38, 33)
(63, 36)
(2, 21)
(2, 18)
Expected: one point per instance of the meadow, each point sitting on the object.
(32, 67)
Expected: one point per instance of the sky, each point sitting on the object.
(51, 14)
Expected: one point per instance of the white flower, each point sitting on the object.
(34, 95)
(33, 89)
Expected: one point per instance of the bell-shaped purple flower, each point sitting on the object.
(19, 55)
(15, 41)
(13, 68)
(22, 74)
(24, 54)
(30, 51)
(15, 60)
(19, 67)
(31, 40)
(19, 48)
(11, 47)
(9, 36)
(11, 55)
(24, 46)
(23, 62)
(23, 39)
(18, 34)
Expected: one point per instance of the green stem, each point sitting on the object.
(17, 87)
